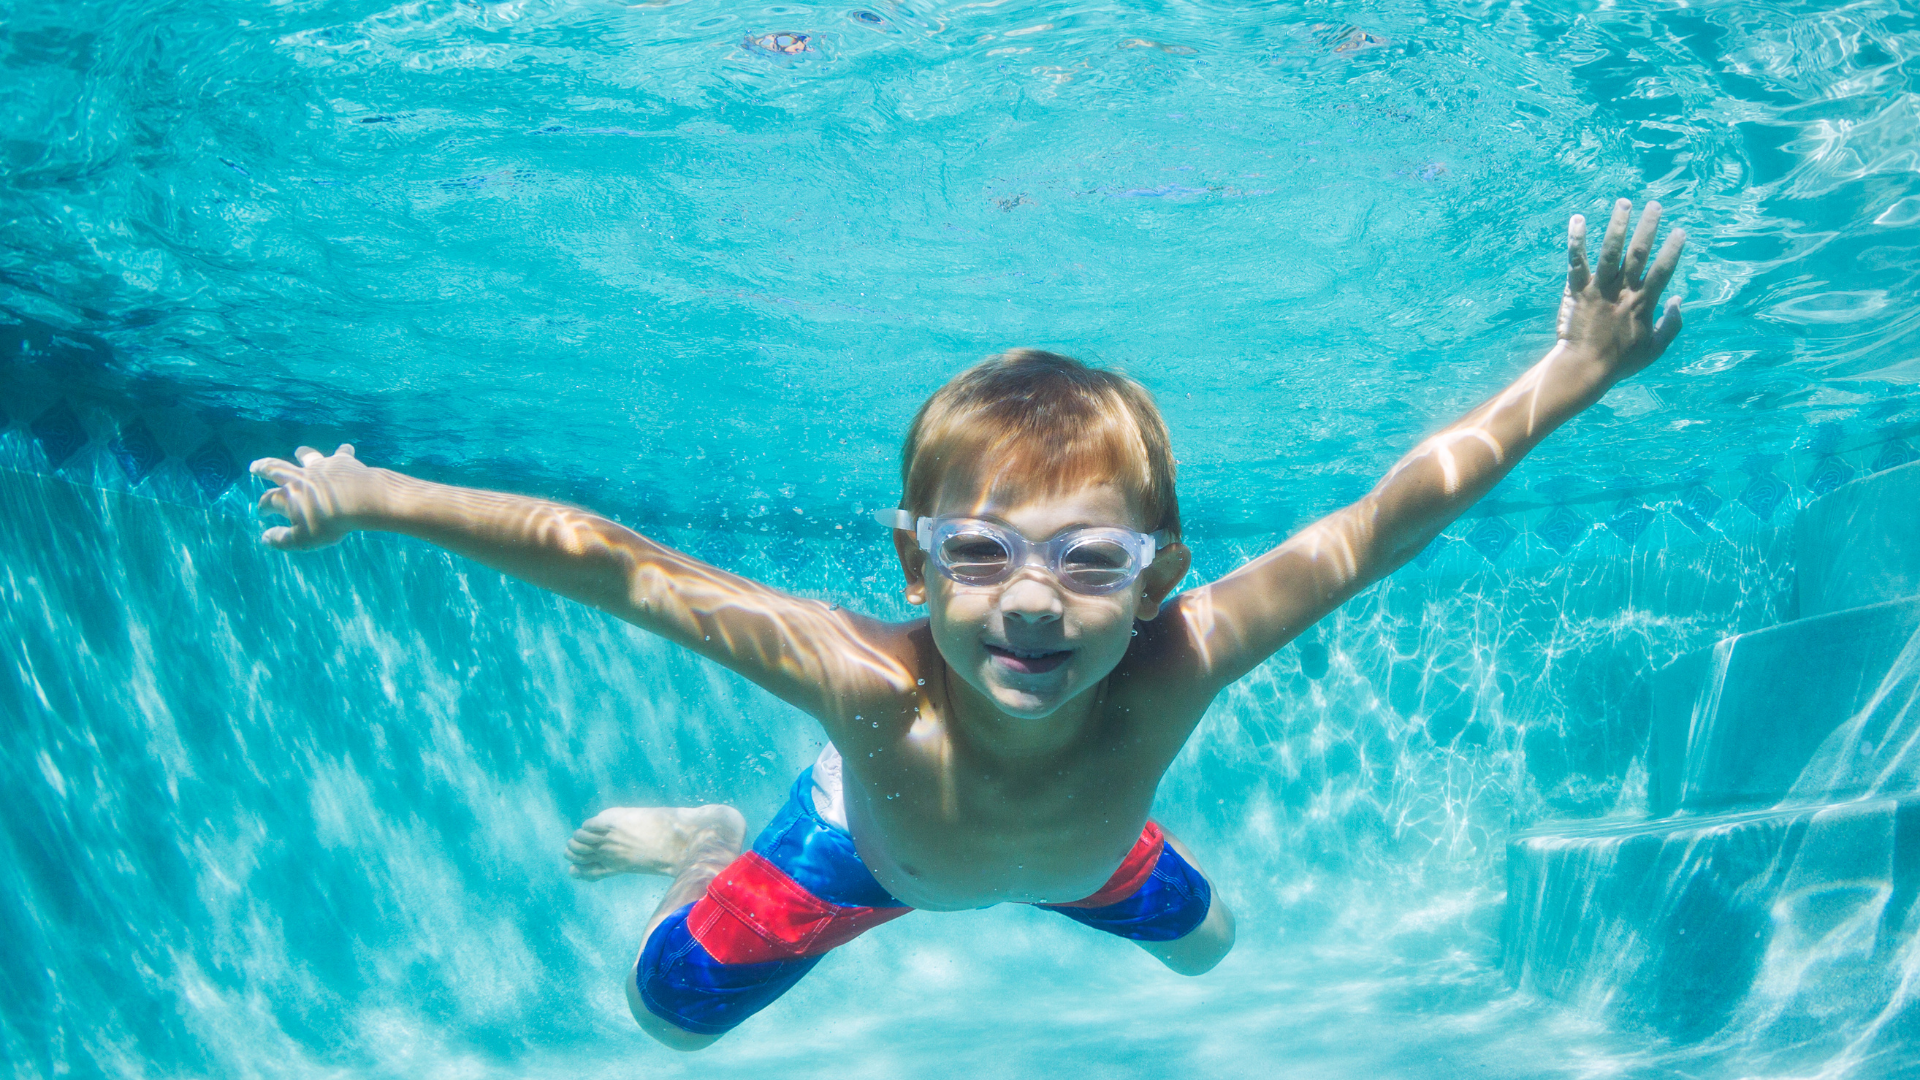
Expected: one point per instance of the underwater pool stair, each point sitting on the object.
(1776, 879)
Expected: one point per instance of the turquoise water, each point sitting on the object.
(302, 816)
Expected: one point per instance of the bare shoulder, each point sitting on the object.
(1171, 649)
(895, 654)
(878, 668)
(1214, 634)
(1163, 685)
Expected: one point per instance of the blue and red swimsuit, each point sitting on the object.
(801, 890)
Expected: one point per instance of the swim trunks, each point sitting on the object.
(801, 890)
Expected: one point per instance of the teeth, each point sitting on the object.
(1026, 654)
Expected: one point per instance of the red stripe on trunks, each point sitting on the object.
(753, 913)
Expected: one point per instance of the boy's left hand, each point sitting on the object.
(1606, 314)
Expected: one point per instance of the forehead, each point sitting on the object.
(1036, 509)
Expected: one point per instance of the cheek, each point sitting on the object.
(1109, 617)
(961, 610)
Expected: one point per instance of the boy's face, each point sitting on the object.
(1029, 643)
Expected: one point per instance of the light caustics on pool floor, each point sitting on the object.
(1524, 810)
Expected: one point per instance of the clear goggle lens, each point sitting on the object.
(1090, 561)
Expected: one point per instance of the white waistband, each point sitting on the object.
(828, 796)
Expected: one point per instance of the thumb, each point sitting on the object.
(1669, 325)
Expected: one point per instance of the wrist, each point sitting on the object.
(1584, 371)
(384, 502)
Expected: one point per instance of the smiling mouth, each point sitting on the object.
(1027, 661)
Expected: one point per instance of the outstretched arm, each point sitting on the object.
(819, 657)
(1606, 333)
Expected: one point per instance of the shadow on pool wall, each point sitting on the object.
(278, 813)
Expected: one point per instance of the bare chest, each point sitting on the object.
(944, 827)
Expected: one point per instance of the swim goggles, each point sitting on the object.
(1092, 561)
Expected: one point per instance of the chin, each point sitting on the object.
(1022, 706)
(1029, 703)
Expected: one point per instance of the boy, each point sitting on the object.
(1007, 746)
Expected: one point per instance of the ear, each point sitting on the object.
(914, 562)
(1170, 564)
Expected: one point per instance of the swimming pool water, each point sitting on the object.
(301, 817)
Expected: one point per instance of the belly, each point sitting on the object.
(958, 869)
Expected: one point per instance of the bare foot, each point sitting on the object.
(654, 840)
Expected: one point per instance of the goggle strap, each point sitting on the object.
(896, 518)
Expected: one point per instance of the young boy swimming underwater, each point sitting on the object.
(1006, 747)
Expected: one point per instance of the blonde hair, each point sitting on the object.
(1049, 424)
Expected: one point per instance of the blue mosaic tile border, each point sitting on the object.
(173, 459)
(1633, 513)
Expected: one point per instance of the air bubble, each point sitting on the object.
(876, 723)
(923, 682)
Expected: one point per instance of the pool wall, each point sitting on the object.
(269, 806)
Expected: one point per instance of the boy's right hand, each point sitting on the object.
(324, 497)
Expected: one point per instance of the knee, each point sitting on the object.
(665, 1032)
(1203, 949)
(668, 1035)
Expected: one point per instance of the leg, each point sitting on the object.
(691, 845)
(1205, 945)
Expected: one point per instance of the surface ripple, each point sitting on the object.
(632, 252)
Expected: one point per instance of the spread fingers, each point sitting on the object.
(1663, 265)
(1668, 327)
(1608, 274)
(1577, 273)
(274, 469)
(1642, 243)
(274, 502)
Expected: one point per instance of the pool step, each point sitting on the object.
(1775, 884)
(1736, 725)
(1860, 543)
(1687, 924)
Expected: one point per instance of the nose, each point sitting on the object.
(1028, 598)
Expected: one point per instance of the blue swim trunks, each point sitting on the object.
(801, 890)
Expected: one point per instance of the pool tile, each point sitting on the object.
(1893, 454)
(1562, 529)
(1490, 537)
(1829, 474)
(212, 468)
(1698, 504)
(1629, 519)
(59, 433)
(137, 451)
(1764, 494)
